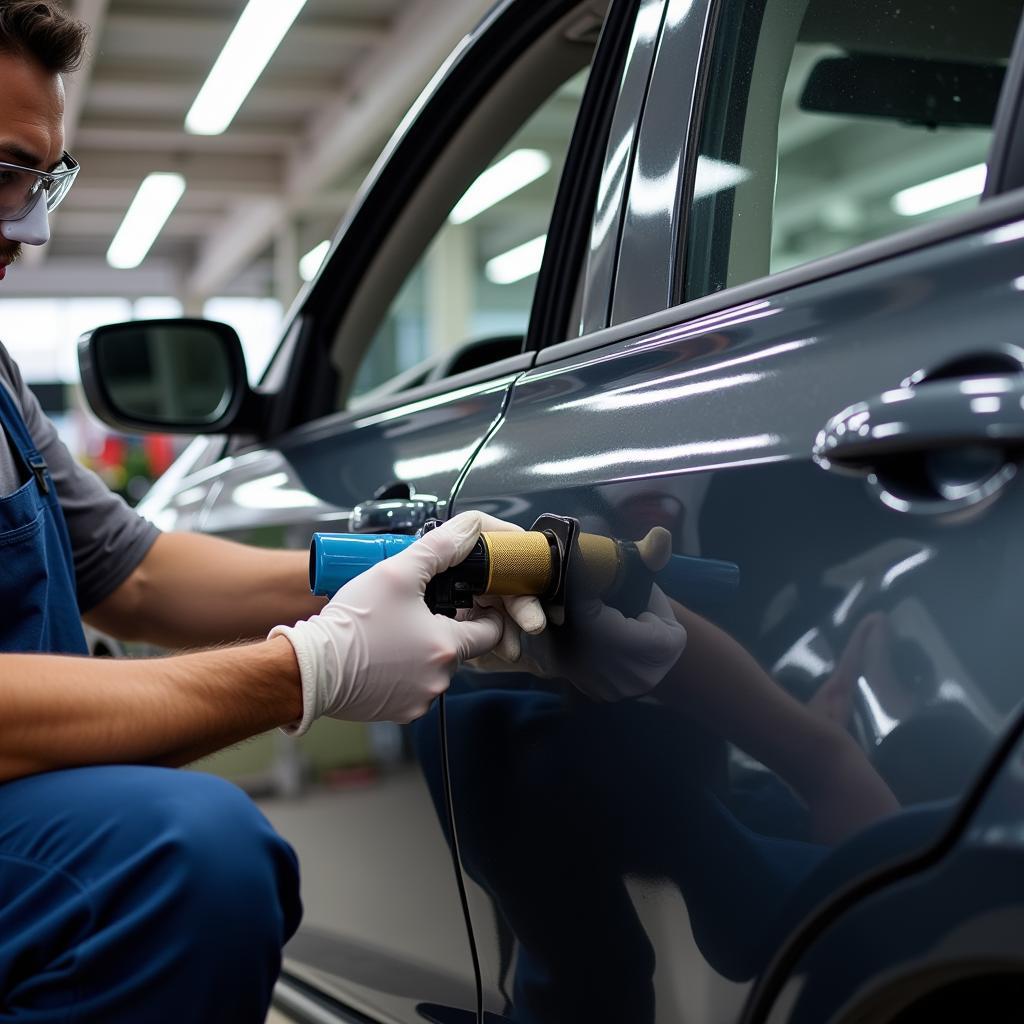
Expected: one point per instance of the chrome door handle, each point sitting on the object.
(396, 515)
(931, 445)
(924, 417)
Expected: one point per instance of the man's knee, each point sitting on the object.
(228, 861)
(176, 882)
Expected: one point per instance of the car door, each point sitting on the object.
(397, 364)
(809, 376)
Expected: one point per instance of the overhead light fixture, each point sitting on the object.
(939, 192)
(157, 197)
(260, 29)
(517, 263)
(313, 260)
(508, 175)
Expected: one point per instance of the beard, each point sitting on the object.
(11, 252)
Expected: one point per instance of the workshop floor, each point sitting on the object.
(376, 871)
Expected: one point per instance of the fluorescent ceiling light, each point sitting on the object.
(313, 260)
(260, 29)
(517, 263)
(157, 197)
(507, 176)
(939, 192)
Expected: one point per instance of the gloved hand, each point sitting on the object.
(376, 652)
(599, 650)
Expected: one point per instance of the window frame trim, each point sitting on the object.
(674, 99)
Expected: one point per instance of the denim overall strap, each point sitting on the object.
(37, 575)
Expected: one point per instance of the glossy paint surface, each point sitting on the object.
(824, 719)
(957, 918)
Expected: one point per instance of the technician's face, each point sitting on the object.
(31, 124)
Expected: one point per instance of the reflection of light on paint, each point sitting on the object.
(270, 492)
(648, 21)
(422, 466)
(192, 495)
(905, 566)
(1007, 233)
(986, 405)
(896, 504)
(882, 722)
(650, 196)
(611, 184)
(843, 609)
(645, 385)
(656, 395)
(803, 656)
(314, 260)
(631, 456)
(984, 385)
(888, 430)
(897, 395)
(951, 691)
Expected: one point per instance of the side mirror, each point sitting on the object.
(172, 376)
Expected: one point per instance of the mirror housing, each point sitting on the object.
(179, 376)
(931, 93)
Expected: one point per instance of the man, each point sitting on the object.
(130, 891)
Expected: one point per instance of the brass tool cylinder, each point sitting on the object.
(602, 562)
(519, 563)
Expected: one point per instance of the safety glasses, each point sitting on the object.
(19, 186)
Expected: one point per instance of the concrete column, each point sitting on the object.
(192, 305)
(449, 292)
(286, 265)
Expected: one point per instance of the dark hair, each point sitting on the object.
(40, 30)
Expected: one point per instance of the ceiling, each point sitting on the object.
(269, 188)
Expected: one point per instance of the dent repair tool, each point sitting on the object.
(538, 562)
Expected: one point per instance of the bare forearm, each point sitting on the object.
(60, 712)
(192, 590)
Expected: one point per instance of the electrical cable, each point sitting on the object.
(449, 807)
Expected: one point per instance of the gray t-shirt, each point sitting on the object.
(108, 539)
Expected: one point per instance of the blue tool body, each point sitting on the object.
(337, 558)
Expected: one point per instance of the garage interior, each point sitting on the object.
(251, 206)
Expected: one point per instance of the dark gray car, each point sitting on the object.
(766, 293)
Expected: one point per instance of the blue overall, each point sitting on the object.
(127, 893)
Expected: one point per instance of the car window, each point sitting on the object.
(466, 302)
(829, 123)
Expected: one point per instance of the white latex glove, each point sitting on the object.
(376, 652)
(600, 651)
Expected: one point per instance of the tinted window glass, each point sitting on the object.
(834, 122)
(467, 301)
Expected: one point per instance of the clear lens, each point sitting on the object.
(17, 192)
(20, 186)
(58, 190)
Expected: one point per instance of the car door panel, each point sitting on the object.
(668, 845)
(935, 938)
